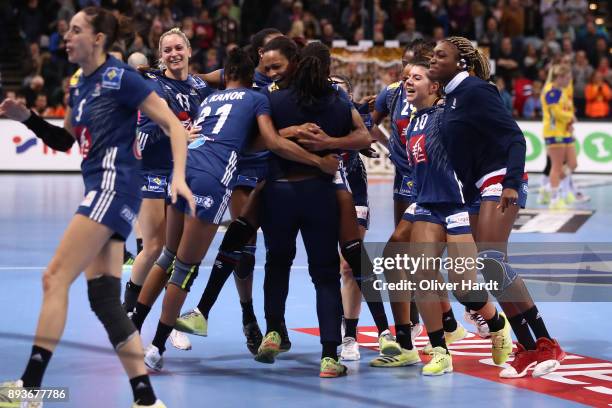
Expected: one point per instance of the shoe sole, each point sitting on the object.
(398, 364)
(156, 369)
(184, 329)
(266, 356)
(332, 375)
(521, 374)
(546, 367)
(446, 370)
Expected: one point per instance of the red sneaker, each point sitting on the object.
(523, 361)
(550, 355)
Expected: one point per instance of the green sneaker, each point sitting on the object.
(450, 337)
(331, 368)
(128, 258)
(501, 343)
(441, 363)
(406, 358)
(269, 348)
(387, 344)
(192, 322)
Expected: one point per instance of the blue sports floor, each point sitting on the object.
(220, 372)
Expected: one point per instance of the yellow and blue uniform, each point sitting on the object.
(558, 111)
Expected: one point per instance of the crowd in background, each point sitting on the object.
(522, 38)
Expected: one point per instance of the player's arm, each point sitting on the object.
(358, 139)
(292, 151)
(553, 99)
(159, 112)
(214, 78)
(56, 137)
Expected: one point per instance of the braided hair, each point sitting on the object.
(311, 79)
(474, 59)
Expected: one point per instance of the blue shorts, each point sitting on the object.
(493, 193)
(559, 140)
(403, 188)
(357, 178)
(115, 210)
(155, 183)
(250, 172)
(453, 217)
(409, 213)
(211, 197)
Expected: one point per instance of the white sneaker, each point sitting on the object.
(480, 323)
(158, 404)
(350, 349)
(6, 401)
(415, 331)
(153, 359)
(180, 340)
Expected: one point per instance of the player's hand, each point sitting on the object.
(370, 100)
(314, 140)
(508, 197)
(329, 164)
(370, 152)
(193, 133)
(143, 69)
(179, 188)
(14, 110)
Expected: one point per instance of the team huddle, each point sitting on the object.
(276, 137)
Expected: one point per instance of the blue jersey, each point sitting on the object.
(183, 98)
(434, 179)
(228, 121)
(104, 112)
(332, 113)
(392, 101)
(351, 157)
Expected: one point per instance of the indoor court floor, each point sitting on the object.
(220, 372)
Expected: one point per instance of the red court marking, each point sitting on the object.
(380, 180)
(582, 379)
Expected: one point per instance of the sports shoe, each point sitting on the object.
(481, 324)
(253, 335)
(549, 354)
(558, 204)
(350, 349)
(128, 258)
(450, 337)
(269, 348)
(544, 196)
(12, 402)
(285, 344)
(192, 322)
(331, 368)
(387, 344)
(158, 404)
(179, 340)
(501, 343)
(570, 198)
(406, 358)
(153, 359)
(415, 331)
(441, 362)
(582, 197)
(523, 361)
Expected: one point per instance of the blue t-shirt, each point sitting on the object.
(332, 113)
(183, 98)
(434, 179)
(351, 157)
(228, 119)
(104, 112)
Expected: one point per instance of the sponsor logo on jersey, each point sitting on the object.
(89, 198)
(417, 149)
(74, 79)
(157, 184)
(111, 78)
(407, 186)
(203, 201)
(458, 220)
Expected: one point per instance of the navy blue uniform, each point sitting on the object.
(308, 206)
(392, 101)
(104, 113)
(486, 146)
(228, 120)
(439, 194)
(183, 98)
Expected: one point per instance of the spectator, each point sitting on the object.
(56, 39)
(34, 63)
(66, 10)
(298, 11)
(297, 30)
(530, 61)
(312, 29)
(280, 16)
(329, 35)
(36, 86)
(400, 11)
(587, 38)
(604, 69)
(41, 105)
(505, 95)
(136, 59)
(550, 40)
(138, 45)
(166, 19)
(581, 74)
(567, 47)
(532, 109)
(576, 10)
(432, 14)
(32, 21)
(353, 17)
(601, 50)
(204, 31)
(549, 10)
(532, 21)
(508, 62)
(409, 33)
(478, 14)
(564, 28)
(226, 28)
(598, 97)
(491, 38)
(157, 29)
(460, 18)
(233, 10)
(498, 10)
(512, 23)
(438, 34)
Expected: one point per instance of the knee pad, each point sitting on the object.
(238, 234)
(496, 269)
(104, 298)
(351, 251)
(166, 261)
(473, 299)
(184, 275)
(247, 262)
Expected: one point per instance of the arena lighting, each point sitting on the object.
(599, 21)
(593, 6)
